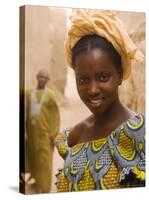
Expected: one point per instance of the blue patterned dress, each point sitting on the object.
(117, 161)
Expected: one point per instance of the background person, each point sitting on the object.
(42, 126)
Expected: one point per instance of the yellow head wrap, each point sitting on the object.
(105, 24)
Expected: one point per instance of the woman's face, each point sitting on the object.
(97, 80)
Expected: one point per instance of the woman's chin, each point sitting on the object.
(97, 110)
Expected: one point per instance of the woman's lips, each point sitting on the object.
(95, 102)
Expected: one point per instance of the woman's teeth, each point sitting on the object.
(98, 101)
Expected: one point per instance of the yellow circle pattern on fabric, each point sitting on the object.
(133, 126)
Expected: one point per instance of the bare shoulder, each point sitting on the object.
(77, 131)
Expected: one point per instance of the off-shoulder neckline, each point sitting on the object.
(104, 139)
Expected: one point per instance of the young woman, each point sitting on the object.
(106, 150)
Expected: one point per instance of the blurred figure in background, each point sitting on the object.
(42, 126)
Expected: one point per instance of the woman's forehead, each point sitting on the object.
(94, 55)
(95, 60)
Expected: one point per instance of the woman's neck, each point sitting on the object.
(114, 111)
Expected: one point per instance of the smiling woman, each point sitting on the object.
(106, 150)
(98, 74)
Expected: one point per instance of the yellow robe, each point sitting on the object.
(41, 131)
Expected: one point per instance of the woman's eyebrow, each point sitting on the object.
(79, 74)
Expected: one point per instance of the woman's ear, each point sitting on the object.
(120, 82)
(120, 77)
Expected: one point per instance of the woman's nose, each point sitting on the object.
(93, 88)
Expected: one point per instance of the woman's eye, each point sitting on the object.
(103, 78)
(82, 80)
